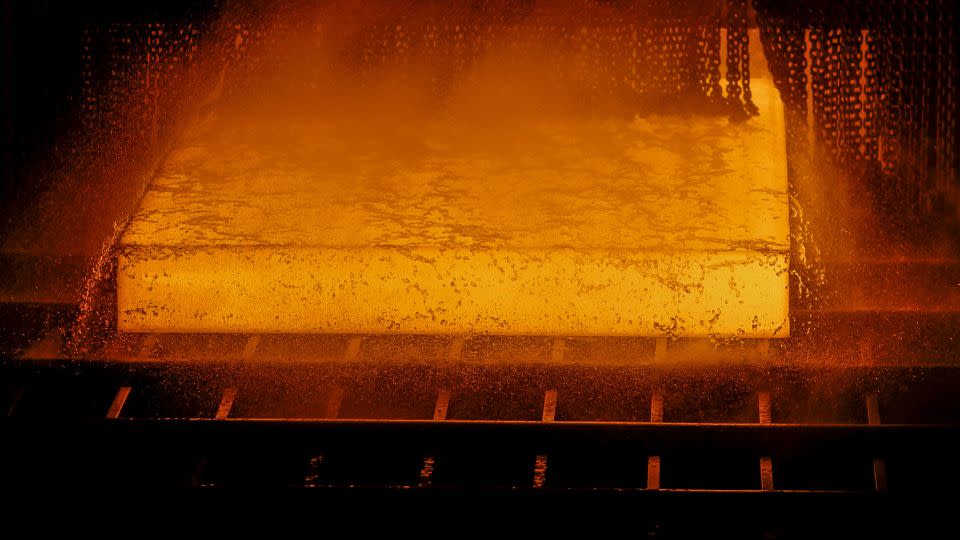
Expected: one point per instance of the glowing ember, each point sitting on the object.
(662, 225)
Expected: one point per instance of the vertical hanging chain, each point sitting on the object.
(738, 59)
(818, 83)
(748, 104)
(714, 89)
(849, 86)
(871, 87)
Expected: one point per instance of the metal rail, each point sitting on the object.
(520, 436)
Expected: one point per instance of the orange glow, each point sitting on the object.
(659, 225)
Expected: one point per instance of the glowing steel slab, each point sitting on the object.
(649, 226)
